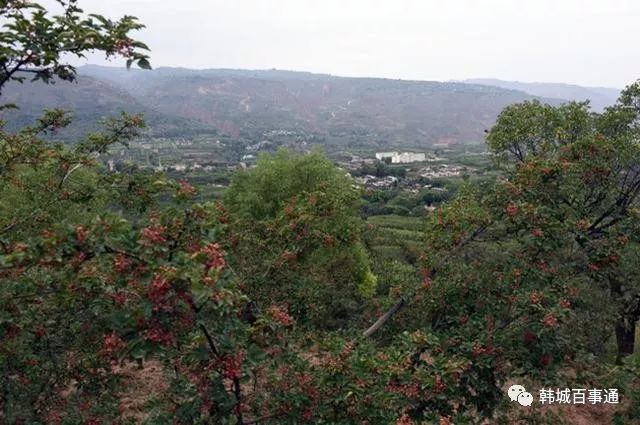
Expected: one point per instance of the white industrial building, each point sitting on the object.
(405, 157)
(382, 155)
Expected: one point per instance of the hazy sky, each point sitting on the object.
(589, 42)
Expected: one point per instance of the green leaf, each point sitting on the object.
(8, 106)
(144, 64)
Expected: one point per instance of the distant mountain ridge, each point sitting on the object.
(249, 103)
(600, 97)
(361, 112)
(89, 100)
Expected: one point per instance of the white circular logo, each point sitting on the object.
(519, 393)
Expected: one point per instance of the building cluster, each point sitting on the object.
(443, 170)
(401, 158)
(379, 182)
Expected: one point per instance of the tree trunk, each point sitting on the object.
(625, 337)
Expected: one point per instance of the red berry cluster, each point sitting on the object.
(215, 257)
(158, 291)
(112, 343)
(186, 189)
(232, 365)
(512, 209)
(81, 234)
(280, 315)
(411, 390)
(158, 335)
(550, 320)
(153, 235)
(122, 263)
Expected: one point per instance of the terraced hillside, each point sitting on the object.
(396, 237)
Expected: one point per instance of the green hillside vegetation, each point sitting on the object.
(90, 100)
(395, 237)
(354, 112)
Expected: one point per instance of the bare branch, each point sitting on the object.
(404, 300)
(210, 341)
(64, 179)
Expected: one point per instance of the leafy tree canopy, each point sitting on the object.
(35, 41)
(297, 228)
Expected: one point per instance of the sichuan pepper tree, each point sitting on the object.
(588, 168)
(527, 277)
(36, 43)
(93, 272)
(82, 296)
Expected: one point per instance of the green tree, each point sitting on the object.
(97, 268)
(511, 270)
(297, 230)
(598, 186)
(531, 128)
(35, 42)
(94, 270)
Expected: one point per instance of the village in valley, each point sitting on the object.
(427, 166)
(406, 181)
(210, 158)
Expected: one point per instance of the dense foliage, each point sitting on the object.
(254, 307)
(37, 43)
(296, 237)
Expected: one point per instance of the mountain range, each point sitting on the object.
(599, 97)
(247, 104)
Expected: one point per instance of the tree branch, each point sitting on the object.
(260, 419)
(384, 318)
(237, 391)
(112, 250)
(404, 299)
(210, 341)
(64, 179)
